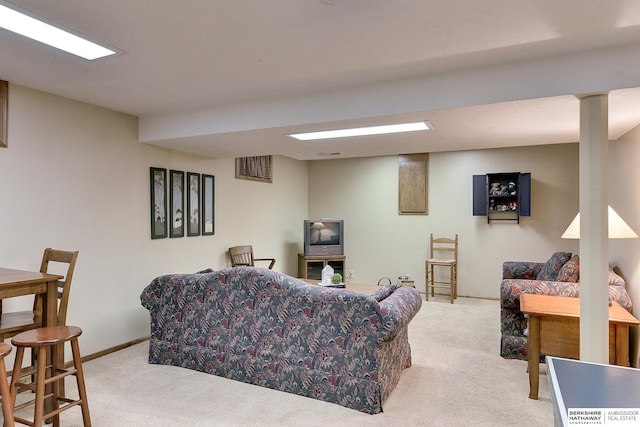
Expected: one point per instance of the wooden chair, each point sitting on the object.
(14, 323)
(243, 256)
(7, 402)
(443, 252)
(48, 342)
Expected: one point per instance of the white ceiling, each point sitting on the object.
(232, 78)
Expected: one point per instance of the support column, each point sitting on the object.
(594, 245)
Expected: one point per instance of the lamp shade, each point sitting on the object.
(618, 229)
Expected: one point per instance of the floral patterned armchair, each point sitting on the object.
(262, 327)
(558, 276)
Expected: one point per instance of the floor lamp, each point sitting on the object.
(617, 229)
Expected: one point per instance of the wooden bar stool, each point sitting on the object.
(7, 405)
(46, 342)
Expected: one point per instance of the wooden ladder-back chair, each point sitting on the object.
(243, 256)
(13, 323)
(443, 252)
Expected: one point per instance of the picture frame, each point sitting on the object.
(176, 203)
(208, 203)
(158, 193)
(4, 112)
(193, 203)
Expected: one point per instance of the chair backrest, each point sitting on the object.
(64, 285)
(241, 256)
(444, 247)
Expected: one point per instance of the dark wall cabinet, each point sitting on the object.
(502, 196)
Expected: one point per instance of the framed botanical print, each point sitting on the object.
(176, 201)
(4, 112)
(193, 203)
(208, 194)
(158, 179)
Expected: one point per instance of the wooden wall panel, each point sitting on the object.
(413, 172)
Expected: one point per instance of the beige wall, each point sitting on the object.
(75, 177)
(379, 242)
(625, 199)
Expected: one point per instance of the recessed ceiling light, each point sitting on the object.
(371, 130)
(37, 30)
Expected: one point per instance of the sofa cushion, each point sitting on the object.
(570, 271)
(553, 266)
(615, 279)
(521, 269)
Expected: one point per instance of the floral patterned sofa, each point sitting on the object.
(263, 327)
(558, 276)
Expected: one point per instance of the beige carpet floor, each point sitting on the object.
(457, 379)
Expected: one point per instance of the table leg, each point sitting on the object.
(50, 305)
(622, 345)
(533, 356)
(50, 318)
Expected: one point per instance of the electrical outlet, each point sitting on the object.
(349, 274)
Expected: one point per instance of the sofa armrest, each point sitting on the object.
(521, 269)
(152, 293)
(511, 289)
(169, 290)
(619, 294)
(383, 292)
(397, 310)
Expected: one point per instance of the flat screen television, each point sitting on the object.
(323, 237)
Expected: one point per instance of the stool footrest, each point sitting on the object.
(61, 373)
(30, 402)
(23, 421)
(70, 403)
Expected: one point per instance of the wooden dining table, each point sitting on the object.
(15, 283)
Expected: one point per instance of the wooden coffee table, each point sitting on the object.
(554, 330)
